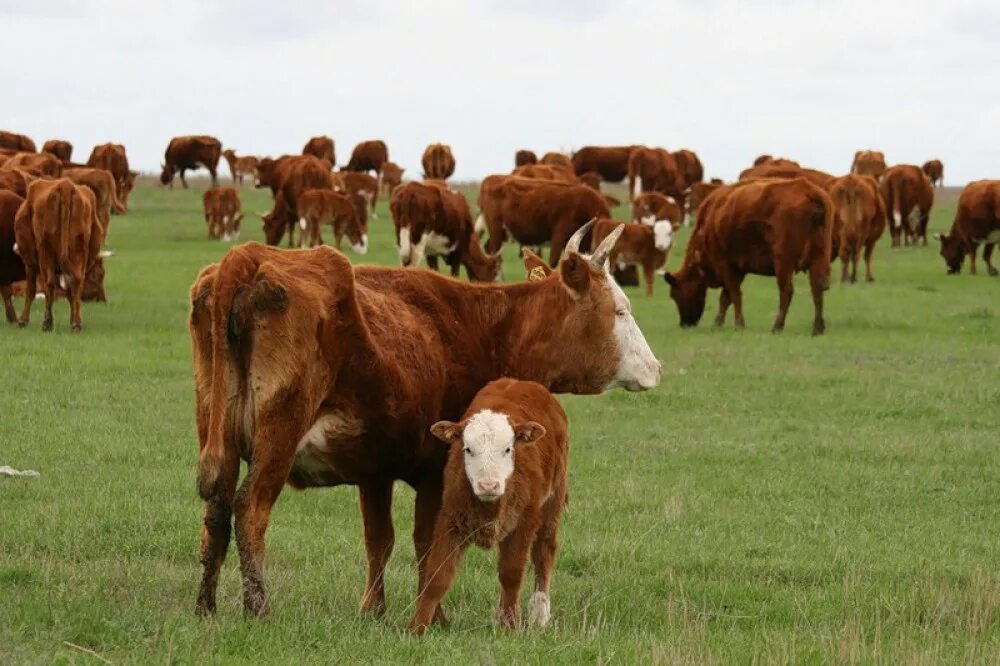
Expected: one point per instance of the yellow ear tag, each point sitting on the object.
(537, 273)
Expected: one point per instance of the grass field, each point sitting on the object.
(777, 499)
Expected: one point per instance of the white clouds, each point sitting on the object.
(810, 80)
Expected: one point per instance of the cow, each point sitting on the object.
(556, 159)
(654, 170)
(288, 177)
(15, 180)
(392, 176)
(696, 195)
(653, 206)
(765, 227)
(505, 487)
(59, 238)
(869, 163)
(432, 221)
(609, 161)
(222, 213)
(438, 161)
(102, 184)
(523, 157)
(934, 169)
(368, 156)
(358, 183)
(546, 172)
(591, 179)
(977, 220)
(645, 244)
(318, 373)
(13, 141)
(317, 207)
(240, 166)
(906, 190)
(112, 157)
(45, 163)
(62, 149)
(858, 222)
(533, 212)
(321, 147)
(190, 152)
(775, 161)
(774, 170)
(11, 266)
(690, 167)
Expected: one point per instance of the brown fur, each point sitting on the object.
(392, 176)
(191, 152)
(438, 161)
(11, 266)
(523, 522)
(546, 172)
(690, 167)
(112, 157)
(362, 184)
(245, 165)
(556, 159)
(658, 171)
(63, 150)
(609, 161)
(320, 206)
(321, 147)
(523, 157)
(858, 222)
(15, 180)
(222, 212)
(934, 169)
(635, 247)
(905, 189)
(368, 156)
(48, 165)
(697, 194)
(764, 227)
(869, 163)
(102, 184)
(13, 141)
(775, 170)
(288, 177)
(977, 220)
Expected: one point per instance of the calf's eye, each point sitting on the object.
(507, 451)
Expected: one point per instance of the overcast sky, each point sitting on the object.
(809, 80)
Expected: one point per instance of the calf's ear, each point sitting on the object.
(447, 431)
(537, 269)
(575, 272)
(529, 432)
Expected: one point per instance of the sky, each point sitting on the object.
(811, 80)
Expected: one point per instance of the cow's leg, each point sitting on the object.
(432, 263)
(49, 289)
(972, 260)
(376, 513)
(215, 179)
(785, 289)
(543, 557)
(855, 253)
(30, 288)
(818, 283)
(442, 562)
(724, 301)
(988, 258)
(869, 251)
(8, 303)
(648, 273)
(215, 534)
(426, 509)
(75, 295)
(731, 284)
(512, 563)
(845, 259)
(183, 181)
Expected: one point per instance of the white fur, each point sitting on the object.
(638, 369)
(670, 199)
(897, 218)
(663, 235)
(104, 254)
(488, 441)
(539, 610)
(362, 247)
(62, 282)
(403, 242)
(303, 224)
(480, 226)
(16, 251)
(321, 438)
(637, 187)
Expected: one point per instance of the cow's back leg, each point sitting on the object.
(75, 296)
(49, 280)
(818, 282)
(426, 509)
(988, 258)
(543, 557)
(216, 530)
(432, 263)
(376, 513)
(732, 287)
(30, 289)
(215, 178)
(8, 303)
(869, 251)
(183, 181)
(783, 274)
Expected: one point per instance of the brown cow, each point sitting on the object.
(653, 206)
(556, 159)
(591, 179)
(774, 170)
(609, 161)
(60, 148)
(869, 163)
(321, 147)
(368, 156)
(977, 220)
(534, 212)
(546, 172)
(102, 184)
(523, 157)
(690, 167)
(905, 189)
(13, 141)
(858, 222)
(15, 180)
(46, 164)
(288, 177)
(59, 238)
(764, 227)
(935, 172)
(317, 207)
(644, 244)
(775, 161)
(438, 162)
(505, 487)
(318, 373)
(11, 266)
(392, 176)
(240, 166)
(112, 157)
(222, 213)
(358, 183)
(190, 152)
(654, 170)
(696, 195)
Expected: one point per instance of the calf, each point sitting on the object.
(934, 169)
(59, 238)
(653, 206)
(222, 213)
(240, 166)
(11, 266)
(645, 245)
(859, 220)
(505, 487)
(906, 190)
(977, 220)
(362, 184)
(767, 227)
(102, 183)
(319, 206)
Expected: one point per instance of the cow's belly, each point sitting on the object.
(331, 452)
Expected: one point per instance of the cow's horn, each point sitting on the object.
(603, 251)
(574, 241)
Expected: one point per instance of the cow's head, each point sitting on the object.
(167, 174)
(663, 232)
(953, 251)
(489, 442)
(688, 289)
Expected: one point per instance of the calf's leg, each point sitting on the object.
(543, 557)
(785, 289)
(442, 562)
(376, 513)
(513, 561)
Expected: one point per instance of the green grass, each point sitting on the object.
(776, 499)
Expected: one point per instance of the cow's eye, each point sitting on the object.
(468, 451)
(621, 312)
(507, 452)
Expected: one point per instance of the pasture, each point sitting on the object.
(778, 498)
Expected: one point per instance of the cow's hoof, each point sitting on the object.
(869, 279)
(76, 328)
(993, 272)
(46, 326)
(21, 323)
(819, 328)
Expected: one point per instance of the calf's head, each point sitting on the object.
(489, 441)
(663, 232)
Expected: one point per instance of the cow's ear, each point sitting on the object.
(529, 432)
(670, 279)
(536, 268)
(447, 431)
(575, 272)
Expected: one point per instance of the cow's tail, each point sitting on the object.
(636, 186)
(64, 206)
(117, 205)
(896, 207)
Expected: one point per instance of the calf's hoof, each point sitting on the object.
(373, 607)
(439, 617)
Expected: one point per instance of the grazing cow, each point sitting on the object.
(766, 227)
(858, 222)
(321, 147)
(654, 170)
(646, 244)
(11, 266)
(222, 213)
(432, 221)
(977, 220)
(691, 170)
(534, 212)
(361, 184)
(288, 177)
(697, 194)
(935, 172)
(869, 163)
(190, 152)
(102, 184)
(505, 487)
(13, 141)
(60, 148)
(906, 190)
(240, 166)
(653, 206)
(609, 161)
(45, 163)
(112, 157)
(59, 238)
(546, 172)
(368, 156)
(557, 159)
(392, 176)
(773, 170)
(321, 206)
(438, 162)
(318, 373)
(523, 157)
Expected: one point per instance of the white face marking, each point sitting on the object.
(403, 241)
(663, 235)
(488, 449)
(638, 369)
(670, 199)
(362, 247)
(539, 610)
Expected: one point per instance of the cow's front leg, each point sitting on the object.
(376, 513)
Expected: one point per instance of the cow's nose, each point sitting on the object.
(489, 487)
